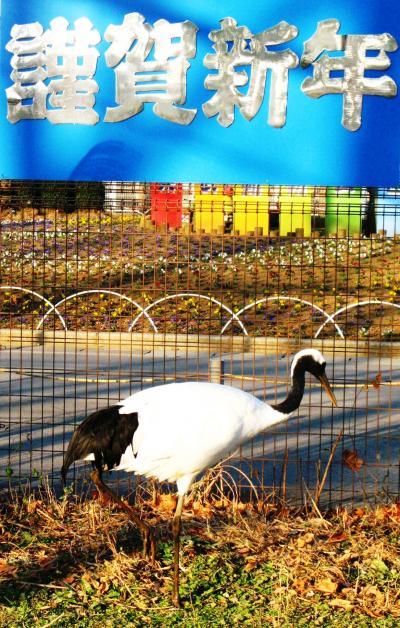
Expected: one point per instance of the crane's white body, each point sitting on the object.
(176, 431)
(185, 428)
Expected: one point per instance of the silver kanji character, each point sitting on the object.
(71, 55)
(353, 64)
(26, 98)
(161, 81)
(236, 47)
(59, 52)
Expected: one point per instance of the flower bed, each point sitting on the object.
(58, 255)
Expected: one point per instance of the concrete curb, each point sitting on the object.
(160, 342)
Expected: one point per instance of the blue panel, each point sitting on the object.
(312, 148)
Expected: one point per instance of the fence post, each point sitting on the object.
(216, 369)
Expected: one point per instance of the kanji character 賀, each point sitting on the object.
(235, 48)
(161, 80)
(352, 65)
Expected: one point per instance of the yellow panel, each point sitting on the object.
(250, 209)
(208, 220)
(210, 207)
(295, 206)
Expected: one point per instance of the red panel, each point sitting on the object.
(166, 204)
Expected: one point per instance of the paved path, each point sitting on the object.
(45, 391)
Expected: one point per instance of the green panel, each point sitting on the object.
(344, 209)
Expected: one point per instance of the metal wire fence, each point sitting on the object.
(110, 287)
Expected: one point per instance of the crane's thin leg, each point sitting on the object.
(149, 541)
(176, 531)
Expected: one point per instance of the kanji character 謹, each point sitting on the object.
(52, 72)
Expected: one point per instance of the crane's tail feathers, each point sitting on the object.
(78, 448)
(104, 436)
(64, 470)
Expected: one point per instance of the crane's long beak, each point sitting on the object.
(326, 385)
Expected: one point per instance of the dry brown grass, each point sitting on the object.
(85, 549)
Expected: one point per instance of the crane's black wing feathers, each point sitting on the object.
(106, 434)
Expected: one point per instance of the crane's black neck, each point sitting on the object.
(295, 395)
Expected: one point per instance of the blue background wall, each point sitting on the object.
(312, 148)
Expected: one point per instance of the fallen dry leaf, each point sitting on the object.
(68, 579)
(201, 510)
(371, 591)
(242, 507)
(349, 593)
(243, 550)
(221, 504)
(46, 561)
(326, 585)
(33, 505)
(318, 522)
(6, 569)
(250, 564)
(351, 460)
(387, 512)
(338, 537)
(346, 556)
(305, 539)
(395, 611)
(376, 382)
(259, 505)
(166, 502)
(103, 586)
(373, 612)
(300, 585)
(339, 603)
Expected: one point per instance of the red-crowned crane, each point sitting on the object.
(175, 431)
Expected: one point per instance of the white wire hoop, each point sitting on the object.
(346, 308)
(97, 291)
(181, 295)
(53, 308)
(234, 316)
(329, 318)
